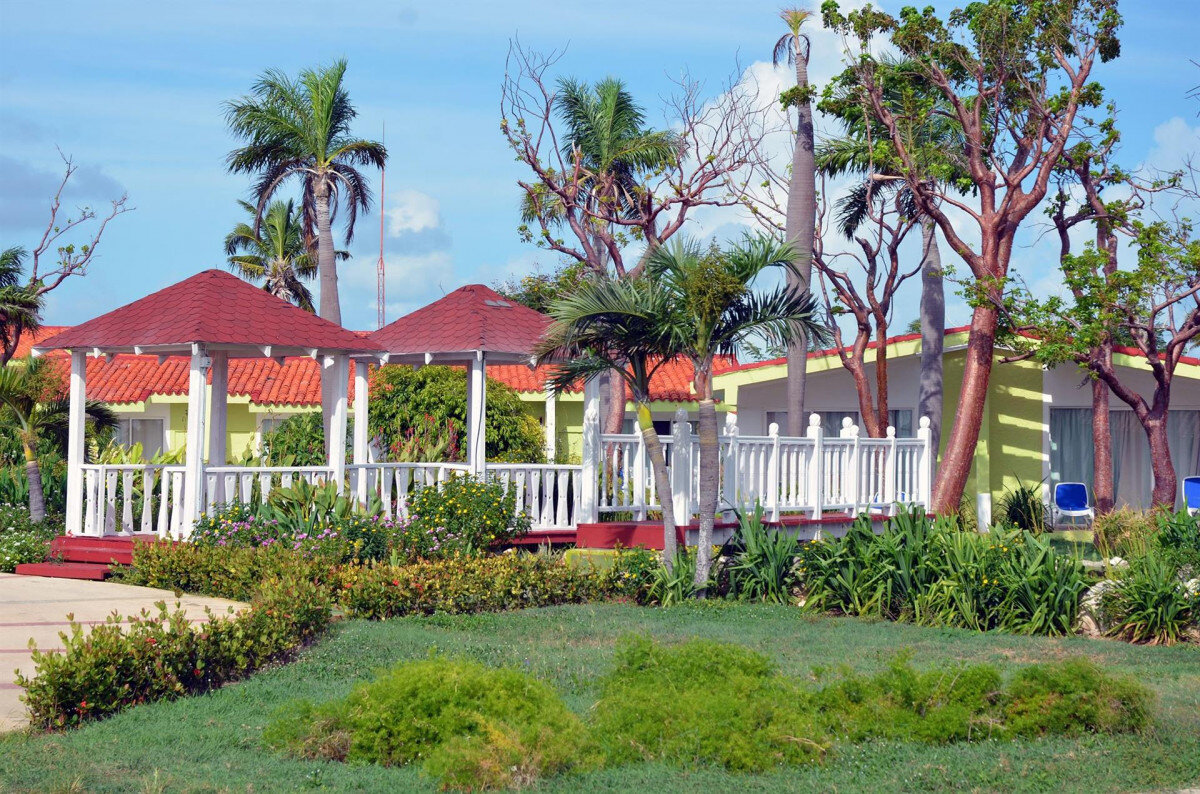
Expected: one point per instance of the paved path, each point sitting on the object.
(33, 607)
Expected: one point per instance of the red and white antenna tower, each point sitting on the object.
(379, 268)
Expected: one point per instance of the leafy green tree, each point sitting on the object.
(274, 252)
(539, 290)
(617, 327)
(299, 129)
(800, 219)
(28, 399)
(20, 304)
(865, 150)
(1013, 76)
(714, 310)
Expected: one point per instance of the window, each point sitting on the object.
(147, 432)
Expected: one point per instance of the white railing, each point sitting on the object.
(121, 499)
(223, 484)
(548, 493)
(812, 474)
(392, 483)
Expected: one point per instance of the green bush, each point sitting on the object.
(406, 403)
(702, 702)
(162, 655)
(1151, 602)
(1071, 697)
(235, 573)
(21, 540)
(470, 584)
(1123, 533)
(469, 726)
(931, 573)
(462, 516)
(1022, 508)
(14, 484)
(1178, 541)
(763, 558)
(299, 440)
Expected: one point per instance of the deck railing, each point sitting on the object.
(811, 475)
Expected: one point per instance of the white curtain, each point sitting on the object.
(1072, 453)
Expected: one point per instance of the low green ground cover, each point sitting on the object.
(214, 741)
(21, 540)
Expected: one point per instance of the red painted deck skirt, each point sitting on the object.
(628, 534)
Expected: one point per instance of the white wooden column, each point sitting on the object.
(551, 425)
(476, 408)
(76, 418)
(362, 439)
(681, 468)
(588, 508)
(217, 420)
(193, 471)
(338, 368)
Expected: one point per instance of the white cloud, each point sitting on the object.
(411, 211)
(1175, 141)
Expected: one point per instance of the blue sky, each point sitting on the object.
(134, 92)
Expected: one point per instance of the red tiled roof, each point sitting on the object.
(212, 307)
(469, 319)
(129, 378)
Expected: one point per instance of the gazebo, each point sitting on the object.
(471, 326)
(210, 317)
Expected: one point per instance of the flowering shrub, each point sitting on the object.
(164, 656)
(470, 584)
(21, 540)
(355, 536)
(462, 516)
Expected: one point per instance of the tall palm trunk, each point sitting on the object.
(662, 481)
(33, 473)
(710, 482)
(799, 226)
(1103, 484)
(933, 334)
(331, 307)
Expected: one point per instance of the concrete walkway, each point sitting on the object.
(33, 607)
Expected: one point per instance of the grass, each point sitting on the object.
(212, 742)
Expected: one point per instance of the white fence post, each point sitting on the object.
(76, 418)
(588, 506)
(639, 478)
(925, 470)
(889, 473)
(816, 480)
(853, 467)
(732, 471)
(774, 465)
(681, 468)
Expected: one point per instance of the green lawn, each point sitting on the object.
(211, 743)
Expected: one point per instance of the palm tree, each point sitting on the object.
(27, 401)
(800, 220)
(617, 327)
(301, 129)
(606, 134)
(866, 153)
(714, 310)
(20, 305)
(275, 253)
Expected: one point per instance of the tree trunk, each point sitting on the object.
(1165, 482)
(933, 335)
(614, 409)
(799, 226)
(1102, 474)
(952, 476)
(33, 473)
(662, 482)
(331, 308)
(710, 486)
(881, 375)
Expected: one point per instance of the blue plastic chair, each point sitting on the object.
(1070, 501)
(1191, 495)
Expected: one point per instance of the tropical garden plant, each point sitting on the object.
(20, 304)
(28, 399)
(714, 310)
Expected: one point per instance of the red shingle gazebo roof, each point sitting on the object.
(470, 320)
(216, 309)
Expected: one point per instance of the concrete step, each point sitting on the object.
(64, 570)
